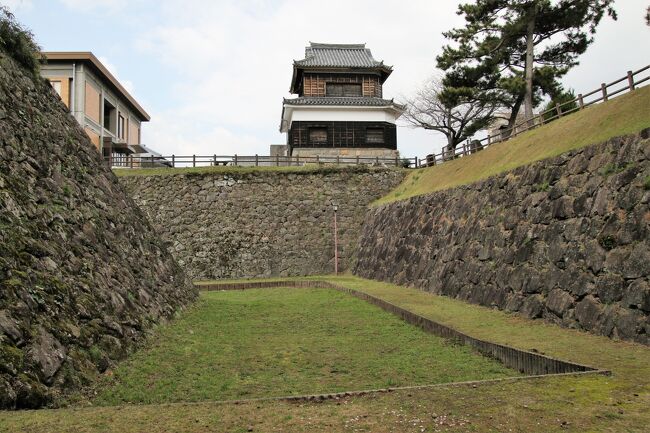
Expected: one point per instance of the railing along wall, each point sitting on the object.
(631, 81)
(606, 91)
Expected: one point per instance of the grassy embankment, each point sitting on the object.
(575, 404)
(623, 115)
(276, 342)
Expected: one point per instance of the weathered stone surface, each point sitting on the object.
(577, 254)
(261, 224)
(75, 251)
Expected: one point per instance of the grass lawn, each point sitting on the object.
(275, 342)
(623, 115)
(558, 404)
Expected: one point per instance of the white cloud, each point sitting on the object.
(234, 59)
(111, 6)
(18, 5)
(128, 85)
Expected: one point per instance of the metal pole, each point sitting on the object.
(336, 244)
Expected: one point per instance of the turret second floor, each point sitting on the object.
(338, 70)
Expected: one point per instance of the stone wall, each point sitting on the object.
(83, 276)
(564, 239)
(260, 223)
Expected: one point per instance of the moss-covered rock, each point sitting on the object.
(83, 275)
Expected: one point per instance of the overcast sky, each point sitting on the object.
(212, 74)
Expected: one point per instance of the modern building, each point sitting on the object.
(111, 117)
(340, 110)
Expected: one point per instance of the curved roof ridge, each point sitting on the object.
(338, 46)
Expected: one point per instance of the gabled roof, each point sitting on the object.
(97, 66)
(338, 56)
(341, 57)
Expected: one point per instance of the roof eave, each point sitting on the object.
(89, 57)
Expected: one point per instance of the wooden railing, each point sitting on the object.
(631, 80)
(131, 161)
(605, 92)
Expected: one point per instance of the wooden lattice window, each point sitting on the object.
(336, 89)
(317, 136)
(375, 135)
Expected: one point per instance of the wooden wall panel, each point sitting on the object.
(342, 134)
(314, 84)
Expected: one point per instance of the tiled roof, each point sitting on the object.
(350, 101)
(339, 56)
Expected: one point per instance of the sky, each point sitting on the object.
(212, 74)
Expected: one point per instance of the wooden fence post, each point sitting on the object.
(581, 101)
(257, 161)
(152, 161)
(416, 162)
(236, 162)
(357, 159)
(396, 161)
(338, 160)
(317, 159)
(603, 87)
(214, 160)
(558, 109)
(630, 80)
(130, 158)
(173, 161)
(277, 160)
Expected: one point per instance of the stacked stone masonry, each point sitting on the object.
(83, 276)
(260, 224)
(564, 239)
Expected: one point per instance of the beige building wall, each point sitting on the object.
(94, 137)
(92, 103)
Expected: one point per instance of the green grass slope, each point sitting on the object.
(614, 404)
(626, 114)
(275, 342)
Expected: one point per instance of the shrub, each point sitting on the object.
(18, 42)
(563, 100)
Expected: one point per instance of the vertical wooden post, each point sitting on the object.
(338, 160)
(257, 161)
(464, 149)
(416, 162)
(152, 161)
(298, 160)
(357, 159)
(236, 162)
(603, 87)
(558, 109)
(173, 161)
(130, 158)
(377, 160)
(277, 160)
(581, 101)
(214, 160)
(396, 161)
(630, 80)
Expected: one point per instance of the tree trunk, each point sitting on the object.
(530, 59)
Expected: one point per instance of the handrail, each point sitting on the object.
(540, 119)
(464, 149)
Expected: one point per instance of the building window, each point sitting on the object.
(120, 126)
(335, 89)
(56, 85)
(317, 136)
(109, 116)
(375, 136)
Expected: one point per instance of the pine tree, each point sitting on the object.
(515, 51)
